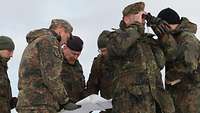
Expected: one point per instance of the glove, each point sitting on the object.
(160, 29)
(13, 102)
(158, 25)
(71, 106)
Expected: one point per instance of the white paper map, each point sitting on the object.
(91, 103)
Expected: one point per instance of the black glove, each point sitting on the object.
(158, 25)
(70, 106)
(160, 30)
(13, 102)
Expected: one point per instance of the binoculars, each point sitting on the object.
(147, 16)
(151, 20)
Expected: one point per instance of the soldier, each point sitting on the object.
(137, 60)
(7, 102)
(101, 75)
(182, 66)
(41, 89)
(72, 73)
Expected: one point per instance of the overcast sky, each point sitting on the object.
(88, 17)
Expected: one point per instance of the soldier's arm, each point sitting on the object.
(166, 40)
(3, 85)
(188, 52)
(51, 63)
(168, 45)
(84, 91)
(83, 85)
(162, 30)
(5, 92)
(164, 100)
(158, 54)
(93, 81)
(121, 42)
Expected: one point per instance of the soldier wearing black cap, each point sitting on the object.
(7, 102)
(182, 56)
(72, 73)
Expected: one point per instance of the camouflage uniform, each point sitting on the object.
(40, 86)
(7, 102)
(164, 101)
(183, 66)
(100, 79)
(5, 92)
(135, 69)
(138, 60)
(74, 80)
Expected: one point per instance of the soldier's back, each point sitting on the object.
(33, 91)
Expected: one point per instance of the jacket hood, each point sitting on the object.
(186, 25)
(31, 36)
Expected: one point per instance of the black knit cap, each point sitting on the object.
(169, 15)
(75, 43)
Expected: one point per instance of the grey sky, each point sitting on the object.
(88, 17)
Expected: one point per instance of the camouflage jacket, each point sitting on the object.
(100, 78)
(134, 51)
(138, 60)
(74, 80)
(40, 84)
(184, 62)
(5, 92)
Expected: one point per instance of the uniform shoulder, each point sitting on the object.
(188, 37)
(78, 65)
(38, 33)
(97, 58)
(110, 32)
(186, 34)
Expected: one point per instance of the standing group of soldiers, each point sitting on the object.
(127, 69)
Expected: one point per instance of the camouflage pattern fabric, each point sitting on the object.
(5, 92)
(164, 101)
(100, 79)
(137, 59)
(40, 84)
(133, 78)
(74, 80)
(183, 66)
(38, 110)
(163, 98)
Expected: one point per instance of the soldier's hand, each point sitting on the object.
(161, 28)
(71, 106)
(151, 20)
(158, 25)
(13, 102)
